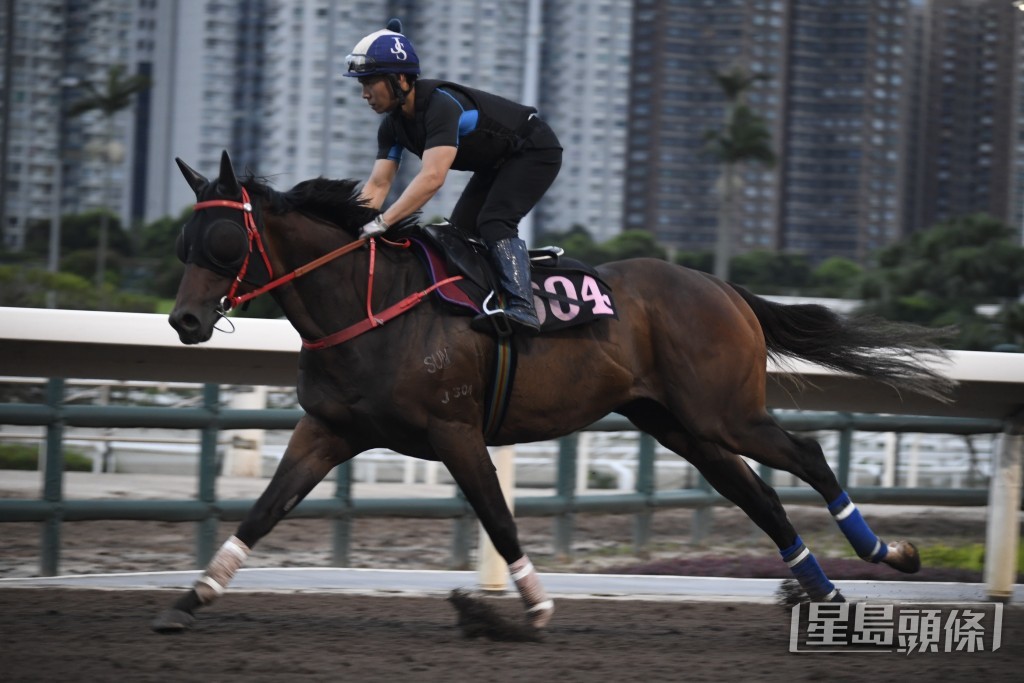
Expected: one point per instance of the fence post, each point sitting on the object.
(565, 489)
(206, 529)
(341, 526)
(1003, 532)
(702, 516)
(53, 479)
(645, 486)
(845, 448)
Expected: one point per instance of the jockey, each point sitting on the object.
(514, 156)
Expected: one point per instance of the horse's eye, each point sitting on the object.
(225, 243)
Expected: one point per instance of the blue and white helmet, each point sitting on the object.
(384, 52)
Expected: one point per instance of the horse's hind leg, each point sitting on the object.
(768, 443)
(733, 478)
(465, 455)
(312, 452)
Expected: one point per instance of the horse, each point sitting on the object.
(385, 364)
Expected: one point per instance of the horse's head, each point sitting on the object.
(221, 248)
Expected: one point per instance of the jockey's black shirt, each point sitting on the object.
(484, 127)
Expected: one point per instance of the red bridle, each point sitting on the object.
(251, 231)
(370, 322)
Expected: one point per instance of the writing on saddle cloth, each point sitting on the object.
(566, 292)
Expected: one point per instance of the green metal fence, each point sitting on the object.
(53, 509)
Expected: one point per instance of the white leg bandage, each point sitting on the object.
(229, 558)
(539, 607)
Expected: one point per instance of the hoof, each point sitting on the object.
(172, 621)
(540, 616)
(902, 555)
(478, 618)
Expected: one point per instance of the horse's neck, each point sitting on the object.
(335, 295)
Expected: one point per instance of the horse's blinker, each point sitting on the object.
(220, 246)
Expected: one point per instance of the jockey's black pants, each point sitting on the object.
(495, 200)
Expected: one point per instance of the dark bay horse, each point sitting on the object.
(685, 362)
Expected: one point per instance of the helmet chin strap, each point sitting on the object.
(396, 88)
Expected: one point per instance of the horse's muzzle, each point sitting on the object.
(190, 327)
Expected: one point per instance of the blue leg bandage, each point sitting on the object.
(861, 537)
(808, 572)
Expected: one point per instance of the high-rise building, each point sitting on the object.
(832, 99)
(585, 97)
(57, 53)
(32, 58)
(314, 120)
(843, 171)
(196, 85)
(671, 181)
(1017, 171)
(970, 108)
(886, 115)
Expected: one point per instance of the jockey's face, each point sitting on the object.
(378, 94)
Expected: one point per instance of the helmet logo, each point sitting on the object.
(398, 51)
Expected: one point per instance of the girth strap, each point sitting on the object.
(503, 373)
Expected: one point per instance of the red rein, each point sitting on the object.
(371, 321)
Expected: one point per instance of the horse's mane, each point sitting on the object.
(337, 202)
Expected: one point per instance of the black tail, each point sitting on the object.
(890, 352)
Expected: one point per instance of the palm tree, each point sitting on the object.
(109, 97)
(744, 137)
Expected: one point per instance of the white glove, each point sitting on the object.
(375, 227)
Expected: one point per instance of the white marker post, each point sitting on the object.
(1003, 532)
(244, 456)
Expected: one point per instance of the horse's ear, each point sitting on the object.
(194, 179)
(228, 182)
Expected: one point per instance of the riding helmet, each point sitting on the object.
(383, 52)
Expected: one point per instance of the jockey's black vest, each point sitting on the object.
(495, 137)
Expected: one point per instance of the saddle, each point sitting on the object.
(566, 292)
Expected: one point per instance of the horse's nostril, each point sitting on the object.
(184, 322)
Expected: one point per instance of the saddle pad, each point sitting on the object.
(565, 295)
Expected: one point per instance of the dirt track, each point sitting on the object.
(62, 635)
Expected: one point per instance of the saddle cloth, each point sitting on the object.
(566, 292)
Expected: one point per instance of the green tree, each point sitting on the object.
(579, 244)
(697, 260)
(80, 232)
(744, 138)
(942, 275)
(836, 277)
(770, 272)
(28, 287)
(633, 244)
(158, 256)
(111, 96)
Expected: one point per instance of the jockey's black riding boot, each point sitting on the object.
(512, 260)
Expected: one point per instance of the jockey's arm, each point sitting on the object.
(377, 186)
(436, 163)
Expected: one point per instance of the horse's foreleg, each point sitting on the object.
(467, 460)
(312, 452)
(768, 443)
